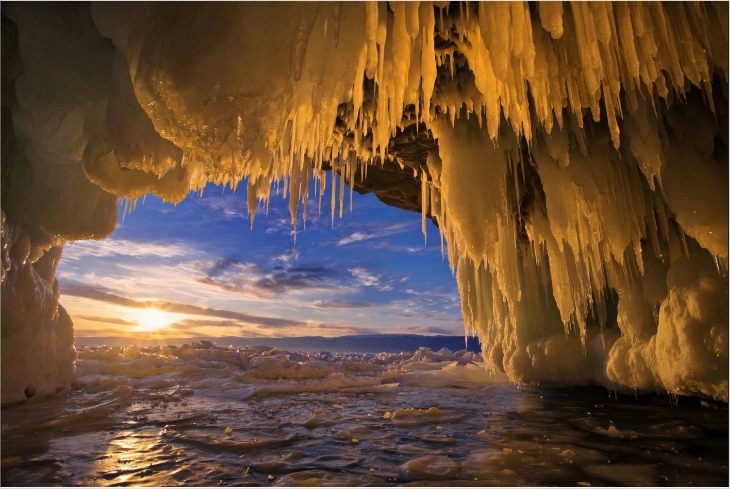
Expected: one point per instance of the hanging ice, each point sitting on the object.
(581, 180)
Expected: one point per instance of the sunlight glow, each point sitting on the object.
(153, 320)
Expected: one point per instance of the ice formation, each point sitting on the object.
(200, 415)
(580, 181)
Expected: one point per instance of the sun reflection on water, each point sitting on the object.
(218, 424)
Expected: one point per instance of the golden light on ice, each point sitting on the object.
(153, 320)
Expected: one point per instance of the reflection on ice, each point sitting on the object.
(206, 415)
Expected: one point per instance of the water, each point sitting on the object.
(209, 417)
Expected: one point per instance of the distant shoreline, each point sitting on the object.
(385, 343)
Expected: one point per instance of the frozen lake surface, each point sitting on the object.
(209, 416)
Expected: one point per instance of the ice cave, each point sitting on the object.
(574, 156)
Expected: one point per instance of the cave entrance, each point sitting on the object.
(104, 109)
(198, 270)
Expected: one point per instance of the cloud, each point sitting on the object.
(224, 264)
(364, 277)
(397, 248)
(122, 247)
(354, 238)
(292, 254)
(414, 249)
(175, 281)
(108, 320)
(187, 324)
(329, 329)
(339, 305)
(228, 206)
(428, 330)
(400, 227)
(279, 226)
(175, 307)
(90, 333)
(368, 279)
(262, 282)
(379, 232)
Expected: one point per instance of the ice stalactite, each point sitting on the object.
(580, 169)
(33, 321)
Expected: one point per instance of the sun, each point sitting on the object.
(153, 320)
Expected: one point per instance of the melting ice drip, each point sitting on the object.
(579, 154)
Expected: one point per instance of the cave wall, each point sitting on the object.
(55, 70)
(573, 155)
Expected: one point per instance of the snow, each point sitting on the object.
(581, 150)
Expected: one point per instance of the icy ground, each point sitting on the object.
(206, 416)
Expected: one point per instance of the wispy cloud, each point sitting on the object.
(226, 206)
(354, 238)
(226, 263)
(292, 254)
(364, 277)
(109, 320)
(405, 314)
(369, 279)
(332, 330)
(434, 330)
(397, 227)
(279, 226)
(414, 249)
(376, 232)
(176, 307)
(339, 305)
(121, 247)
(86, 333)
(187, 324)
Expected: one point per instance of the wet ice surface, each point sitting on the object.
(217, 416)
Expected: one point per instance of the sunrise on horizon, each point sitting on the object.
(214, 276)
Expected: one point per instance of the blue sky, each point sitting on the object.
(198, 269)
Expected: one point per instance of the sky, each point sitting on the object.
(198, 269)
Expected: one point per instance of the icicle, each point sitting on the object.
(721, 265)
(338, 10)
(342, 187)
(251, 200)
(334, 191)
(424, 204)
(371, 23)
(351, 177)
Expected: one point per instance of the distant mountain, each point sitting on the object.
(383, 343)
